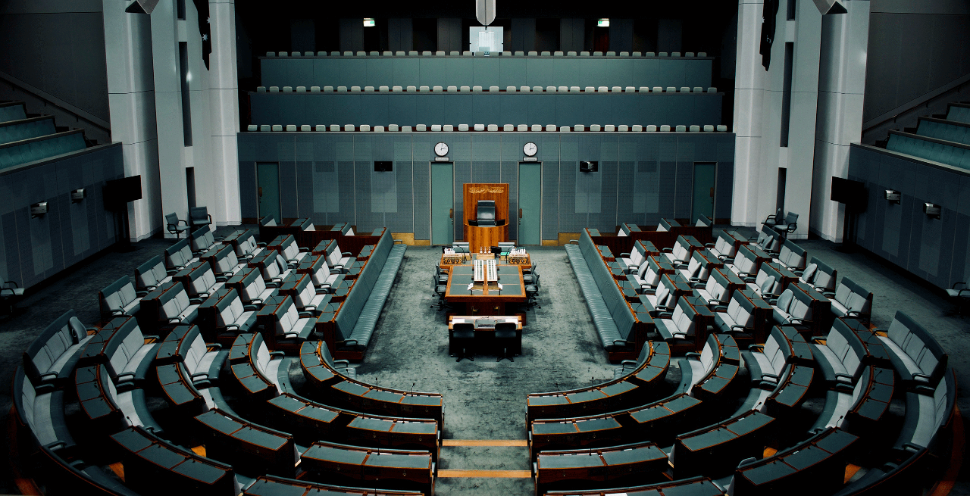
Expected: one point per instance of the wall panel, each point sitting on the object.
(642, 176)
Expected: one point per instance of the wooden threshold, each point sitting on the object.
(493, 474)
(485, 442)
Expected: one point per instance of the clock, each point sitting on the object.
(441, 149)
(530, 149)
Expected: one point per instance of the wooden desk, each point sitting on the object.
(485, 299)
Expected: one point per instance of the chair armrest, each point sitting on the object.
(261, 245)
(117, 313)
(222, 278)
(348, 342)
(840, 377)
(692, 355)
(213, 346)
(346, 253)
(250, 308)
(304, 248)
(307, 314)
(801, 321)
(664, 315)
(276, 354)
(753, 347)
(203, 375)
(126, 377)
(344, 363)
(624, 363)
(718, 308)
(709, 245)
(141, 294)
(174, 320)
(197, 301)
(151, 338)
(912, 447)
(620, 342)
(667, 250)
(738, 328)
(624, 254)
(232, 327)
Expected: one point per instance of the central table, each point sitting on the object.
(484, 299)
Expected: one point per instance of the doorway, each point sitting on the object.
(703, 196)
(268, 189)
(442, 203)
(530, 203)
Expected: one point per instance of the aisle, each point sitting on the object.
(485, 399)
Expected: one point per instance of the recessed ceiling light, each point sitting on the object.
(603, 23)
(369, 22)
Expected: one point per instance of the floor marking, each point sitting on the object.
(503, 474)
(850, 470)
(484, 442)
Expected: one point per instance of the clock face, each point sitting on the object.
(530, 149)
(441, 149)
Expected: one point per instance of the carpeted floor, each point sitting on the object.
(484, 399)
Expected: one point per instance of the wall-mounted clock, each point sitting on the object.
(530, 149)
(441, 149)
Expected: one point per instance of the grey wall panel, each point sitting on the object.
(934, 46)
(542, 110)
(485, 71)
(304, 189)
(685, 175)
(288, 202)
(523, 34)
(460, 151)
(643, 176)
(379, 72)
(402, 110)
(549, 150)
(375, 112)
(572, 34)
(400, 34)
(513, 71)
(932, 249)
(449, 34)
(621, 35)
(351, 35)
(459, 109)
(510, 153)
(487, 109)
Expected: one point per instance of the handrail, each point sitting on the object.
(57, 102)
(895, 113)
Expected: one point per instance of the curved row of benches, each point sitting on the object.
(819, 397)
(119, 374)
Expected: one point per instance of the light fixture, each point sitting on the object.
(830, 7)
(141, 7)
(893, 196)
(603, 23)
(369, 22)
(932, 210)
(38, 209)
(77, 195)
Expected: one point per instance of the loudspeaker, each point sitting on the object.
(830, 6)
(141, 7)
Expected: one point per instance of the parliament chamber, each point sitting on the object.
(501, 248)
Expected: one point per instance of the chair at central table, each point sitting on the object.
(462, 338)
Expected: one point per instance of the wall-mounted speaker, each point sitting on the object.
(589, 166)
(141, 7)
(830, 6)
(383, 166)
(932, 210)
(38, 209)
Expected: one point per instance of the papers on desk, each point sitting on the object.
(457, 321)
(471, 285)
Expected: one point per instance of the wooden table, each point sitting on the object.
(485, 298)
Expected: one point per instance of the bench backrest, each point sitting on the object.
(201, 239)
(253, 286)
(741, 310)
(792, 255)
(150, 274)
(202, 279)
(173, 302)
(350, 310)
(796, 303)
(178, 255)
(919, 345)
(225, 260)
(53, 341)
(123, 346)
(847, 346)
(746, 261)
(117, 296)
(853, 297)
(229, 308)
(824, 276)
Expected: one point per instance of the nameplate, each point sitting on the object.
(442, 159)
(530, 159)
